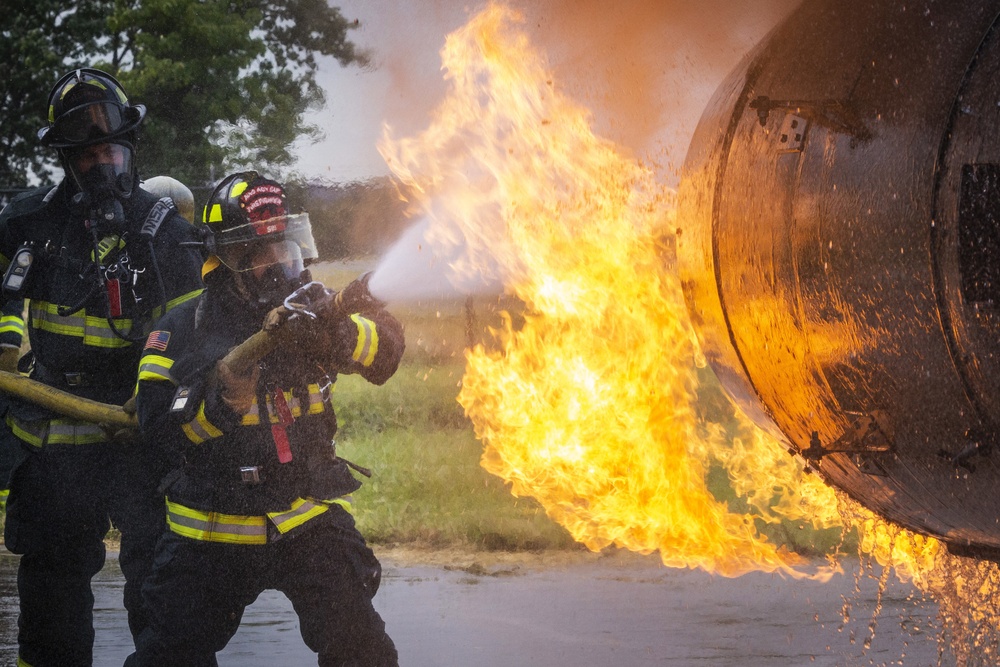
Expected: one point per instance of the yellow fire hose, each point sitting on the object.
(239, 359)
(64, 402)
(122, 417)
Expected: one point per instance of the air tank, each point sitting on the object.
(838, 240)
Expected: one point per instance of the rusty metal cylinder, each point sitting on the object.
(839, 244)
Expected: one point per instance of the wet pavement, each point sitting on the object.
(623, 610)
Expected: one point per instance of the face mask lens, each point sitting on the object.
(91, 121)
(102, 166)
(283, 255)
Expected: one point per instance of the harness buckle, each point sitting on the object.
(76, 379)
(250, 474)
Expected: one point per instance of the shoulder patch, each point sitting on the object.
(157, 341)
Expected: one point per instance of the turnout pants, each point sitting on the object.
(199, 590)
(62, 501)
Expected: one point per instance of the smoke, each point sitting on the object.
(644, 68)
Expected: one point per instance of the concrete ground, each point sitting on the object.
(585, 610)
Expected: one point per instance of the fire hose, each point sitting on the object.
(308, 301)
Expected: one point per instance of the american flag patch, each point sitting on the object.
(157, 341)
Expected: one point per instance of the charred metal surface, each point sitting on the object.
(839, 247)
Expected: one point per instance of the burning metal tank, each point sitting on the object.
(839, 244)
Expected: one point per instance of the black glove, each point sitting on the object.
(357, 298)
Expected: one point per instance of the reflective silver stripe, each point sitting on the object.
(95, 331)
(364, 351)
(156, 367)
(12, 324)
(74, 433)
(317, 404)
(301, 511)
(199, 429)
(252, 416)
(238, 529)
(56, 431)
(215, 526)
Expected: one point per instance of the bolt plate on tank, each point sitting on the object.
(792, 134)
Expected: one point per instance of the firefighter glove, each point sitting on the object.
(237, 390)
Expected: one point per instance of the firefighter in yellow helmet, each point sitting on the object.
(262, 501)
(98, 259)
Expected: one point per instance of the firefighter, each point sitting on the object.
(97, 259)
(261, 500)
(11, 338)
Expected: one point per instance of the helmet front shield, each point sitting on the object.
(284, 239)
(93, 122)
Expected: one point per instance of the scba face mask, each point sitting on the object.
(105, 178)
(269, 272)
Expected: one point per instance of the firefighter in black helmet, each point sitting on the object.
(261, 501)
(97, 259)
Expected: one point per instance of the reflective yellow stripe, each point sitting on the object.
(156, 368)
(215, 526)
(367, 346)
(21, 662)
(56, 431)
(27, 436)
(176, 301)
(199, 429)
(4, 493)
(301, 511)
(95, 331)
(210, 526)
(71, 432)
(12, 324)
(315, 407)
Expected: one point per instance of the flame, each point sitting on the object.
(590, 406)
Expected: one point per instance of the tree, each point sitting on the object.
(226, 82)
(37, 38)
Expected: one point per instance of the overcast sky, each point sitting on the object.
(645, 68)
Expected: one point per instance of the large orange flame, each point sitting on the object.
(589, 406)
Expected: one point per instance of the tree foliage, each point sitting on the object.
(226, 82)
